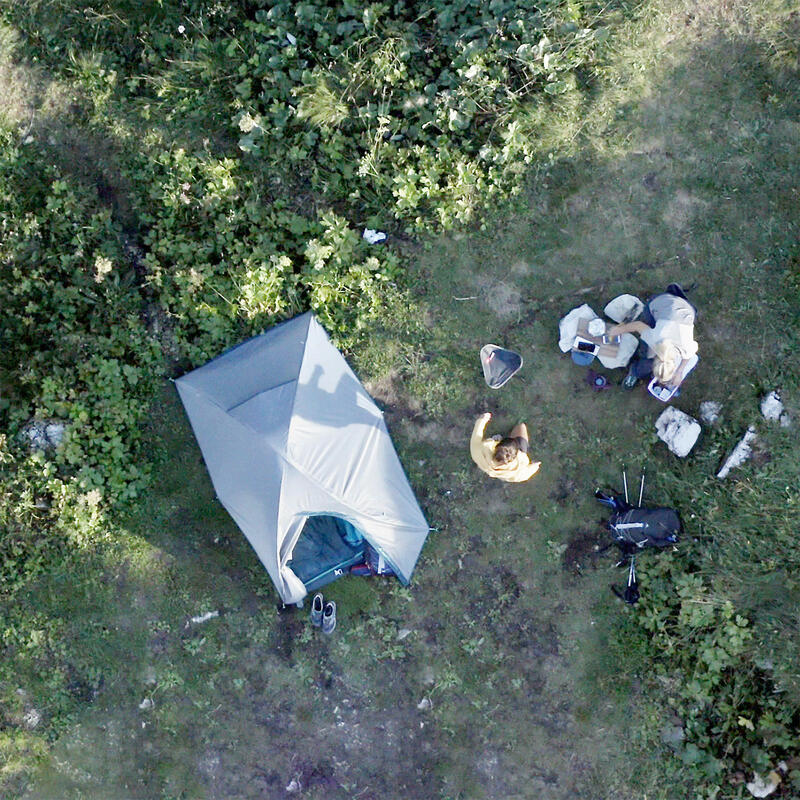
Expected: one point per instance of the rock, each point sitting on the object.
(709, 411)
(763, 787)
(146, 704)
(44, 434)
(672, 735)
(293, 786)
(373, 237)
(403, 633)
(31, 719)
(678, 431)
(425, 704)
(205, 617)
(54, 433)
(771, 406)
(740, 453)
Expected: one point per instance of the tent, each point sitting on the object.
(300, 457)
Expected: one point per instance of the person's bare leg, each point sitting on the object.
(519, 430)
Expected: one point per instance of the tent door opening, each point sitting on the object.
(325, 550)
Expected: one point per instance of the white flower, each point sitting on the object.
(247, 122)
(93, 498)
(102, 266)
(181, 29)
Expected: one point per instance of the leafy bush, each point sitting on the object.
(73, 349)
(721, 625)
(225, 262)
(427, 116)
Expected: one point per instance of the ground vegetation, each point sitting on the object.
(175, 177)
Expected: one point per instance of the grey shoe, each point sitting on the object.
(316, 610)
(629, 381)
(329, 617)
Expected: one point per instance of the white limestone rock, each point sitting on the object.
(678, 431)
(764, 786)
(44, 434)
(772, 406)
(740, 453)
(373, 236)
(710, 411)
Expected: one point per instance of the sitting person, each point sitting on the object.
(501, 457)
(667, 345)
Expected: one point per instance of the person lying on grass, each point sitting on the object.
(667, 344)
(503, 457)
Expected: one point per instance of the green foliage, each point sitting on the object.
(422, 117)
(716, 669)
(225, 262)
(425, 116)
(74, 351)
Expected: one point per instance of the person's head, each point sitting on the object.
(666, 361)
(506, 451)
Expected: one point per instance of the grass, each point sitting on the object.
(680, 167)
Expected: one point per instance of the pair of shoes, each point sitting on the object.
(323, 615)
(629, 381)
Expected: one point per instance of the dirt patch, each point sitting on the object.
(504, 299)
(284, 634)
(566, 489)
(392, 397)
(583, 550)
(682, 209)
(521, 268)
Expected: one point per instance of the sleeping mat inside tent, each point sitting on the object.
(327, 547)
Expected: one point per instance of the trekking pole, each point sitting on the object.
(641, 489)
(632, 589)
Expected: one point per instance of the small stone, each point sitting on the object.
(425, 704)
(678, 431)
(293, 786)
(403, 633)
(373, 236)
(205, 617)
(672, 734)
(32, 719)
(146, 704)
(763, 787)
(771, 406)
(54, 432)
(709, 411)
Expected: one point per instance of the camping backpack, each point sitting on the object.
(636, 528)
